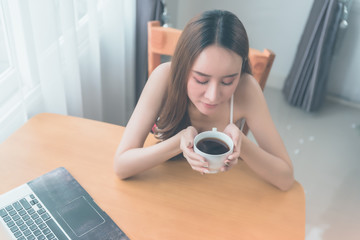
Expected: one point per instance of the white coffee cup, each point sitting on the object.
(215, 161)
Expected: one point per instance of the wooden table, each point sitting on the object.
(170, 201)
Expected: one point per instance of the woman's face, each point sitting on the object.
(213, 78)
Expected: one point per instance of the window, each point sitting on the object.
(4, 53)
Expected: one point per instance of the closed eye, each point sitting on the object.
(201, 81)
(228, 82)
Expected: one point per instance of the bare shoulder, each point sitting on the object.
(157, 83)
(147, 109)
(163, 67)
(248, 90)
(248, 82)
(161, 72)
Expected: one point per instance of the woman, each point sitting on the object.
(193, 93)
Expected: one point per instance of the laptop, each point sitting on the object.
(54, 206)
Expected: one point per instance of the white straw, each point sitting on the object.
(231, 108)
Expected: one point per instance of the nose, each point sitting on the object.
(212, 92)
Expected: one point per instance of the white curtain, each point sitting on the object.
(72, 57)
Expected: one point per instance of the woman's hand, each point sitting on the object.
(236, 135)
(197, 162)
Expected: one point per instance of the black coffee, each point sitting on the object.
(212, 146)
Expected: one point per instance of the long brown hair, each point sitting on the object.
(218, 27)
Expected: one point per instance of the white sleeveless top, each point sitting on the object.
(242, 120)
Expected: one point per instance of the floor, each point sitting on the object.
(325, 150)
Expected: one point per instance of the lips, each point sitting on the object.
(210, 105)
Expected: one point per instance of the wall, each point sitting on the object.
(278, 25)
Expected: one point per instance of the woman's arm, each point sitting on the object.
(136, 160)
(272, 168)
(269, 159)
(131, 157)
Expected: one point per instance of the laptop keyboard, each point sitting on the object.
(28, 220)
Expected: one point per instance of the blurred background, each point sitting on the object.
(84, 58)
(278, 25)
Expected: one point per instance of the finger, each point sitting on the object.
(235, 155)
(228, 164)
(224, 169)
(231, 162)
(195, 159)
(201, 170)
(235, 138)
(190, 134)
(186, 144)
(191, 154)
(233, 131)
(195, 163)
(187, 139)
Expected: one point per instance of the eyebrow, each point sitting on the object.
(206, 75)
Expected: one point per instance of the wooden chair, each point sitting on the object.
(162, 41)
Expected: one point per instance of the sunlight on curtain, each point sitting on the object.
(72, 57)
